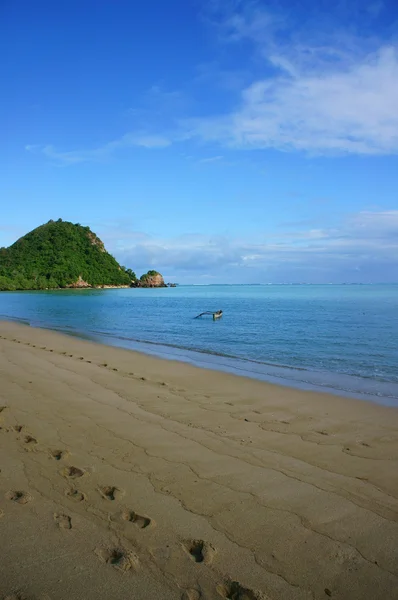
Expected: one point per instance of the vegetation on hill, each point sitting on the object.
(149, 275)
(151, 279)
(57, 255)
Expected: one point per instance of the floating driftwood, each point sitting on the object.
(216, 315)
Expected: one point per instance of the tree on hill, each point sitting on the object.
(59, 254)
(148, 275)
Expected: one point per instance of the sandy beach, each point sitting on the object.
(126, 477)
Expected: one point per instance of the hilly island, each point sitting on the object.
(61, 254)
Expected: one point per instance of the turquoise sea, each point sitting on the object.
(341, 338)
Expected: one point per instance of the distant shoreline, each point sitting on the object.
(92, 287)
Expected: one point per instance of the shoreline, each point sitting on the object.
(124, 475)
(92, 287)
(298, 378)
(283, 375)
(160, 364)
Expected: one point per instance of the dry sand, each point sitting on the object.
(128, 477)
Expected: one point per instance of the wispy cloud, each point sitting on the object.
(210, 159)
(103, 152)
(336, 112)
(323, 93)
(357, 246)
(303, 83)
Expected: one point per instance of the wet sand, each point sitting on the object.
(124, 477)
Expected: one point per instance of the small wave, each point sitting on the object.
(15, 319)
(299, 377)
(370, 387)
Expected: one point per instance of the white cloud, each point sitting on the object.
(315, 86)
(309, 86)
(103, 152)
(210, 159)
(333, 111)
(367, 241)
(149, 141)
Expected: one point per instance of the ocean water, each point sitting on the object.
(338, 338)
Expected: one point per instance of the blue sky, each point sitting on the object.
(215, 140)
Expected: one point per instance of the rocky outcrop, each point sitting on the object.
(152, 279)
(95, 241)
(80, 283)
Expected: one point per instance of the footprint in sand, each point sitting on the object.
(120, 558)
(233, 590)
(63, 521)
(138, 520)
(75, 495)
(72, 472)
(30, 443)
(200, 551)
(110, 492)
(18, 428)
(19, 496)
(59, 454)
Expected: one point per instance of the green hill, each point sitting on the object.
(59, 254)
